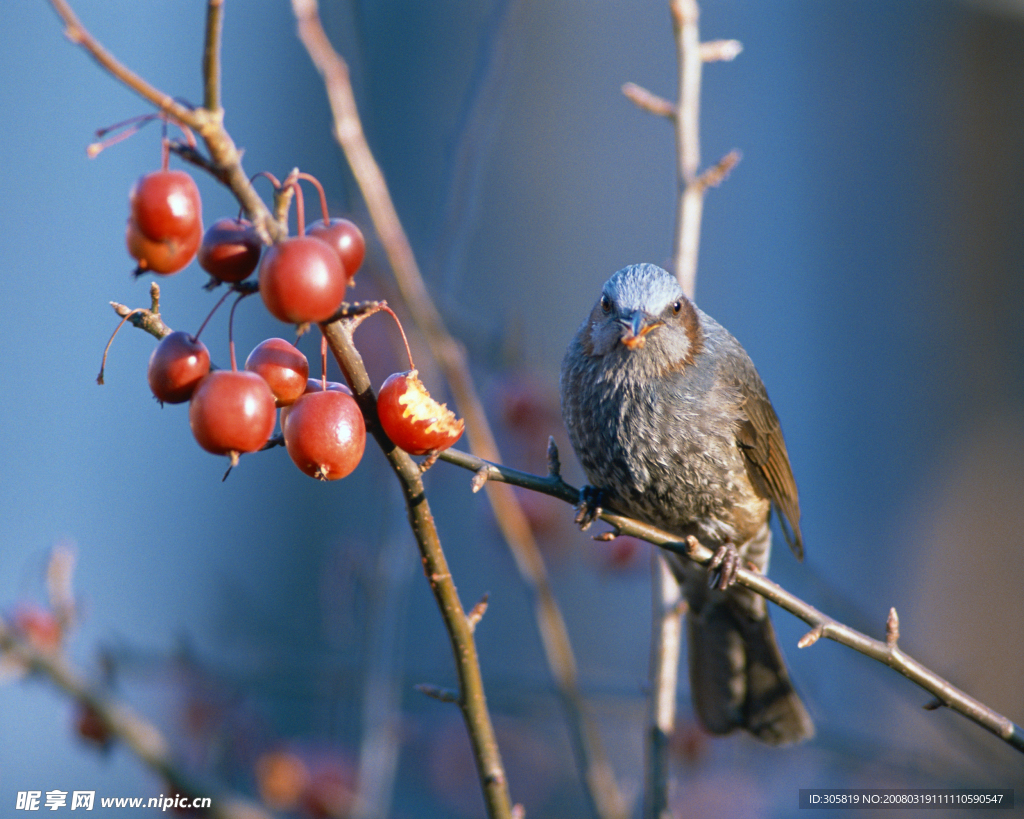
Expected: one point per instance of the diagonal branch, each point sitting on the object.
(606, 801)
(460, 625)
(470, 697)
(884, 651)
(226, 159)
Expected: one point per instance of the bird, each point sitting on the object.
(673, 426)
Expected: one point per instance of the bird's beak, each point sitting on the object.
(635, 329)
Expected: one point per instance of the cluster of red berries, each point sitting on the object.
(302, 279)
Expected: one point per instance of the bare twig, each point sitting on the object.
(147, 319)
(649, 101)
(822, 625)
(225, 158)
(714, 51)
(478, 611)
(892, 629)
(667, 607)
(601, 787)
(691, 198)
(211, 54)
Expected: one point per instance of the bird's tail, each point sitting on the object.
(738, 677)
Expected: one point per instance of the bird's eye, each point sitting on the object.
(677, 306)
(606, 304)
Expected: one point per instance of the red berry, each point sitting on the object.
(347, 240)
(232, 411)
(161, 255)
(282, 366)
(412, 419)
(324, 434)
(301, 279)
(176, 367)
(230, 250)
(316, 385)
(166, 205)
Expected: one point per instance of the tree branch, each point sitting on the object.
(885, 651)
(211, 55)
(471, 697)
(691, 201)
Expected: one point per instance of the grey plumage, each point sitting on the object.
(670, 419)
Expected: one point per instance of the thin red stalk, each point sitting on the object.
(323, 196)
(120, 324)
(209, 315)
(231, 327)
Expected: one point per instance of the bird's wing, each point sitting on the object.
(759, 438)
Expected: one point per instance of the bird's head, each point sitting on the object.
(642, 307)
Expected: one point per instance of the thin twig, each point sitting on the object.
(208, 123)
(714, 51)
(211, 54)
(822, 625)
(691, 199)
(649, 101)
(602, 790)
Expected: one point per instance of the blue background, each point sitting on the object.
(867, 252)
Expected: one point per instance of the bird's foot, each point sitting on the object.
(588, 507)
(723, 567)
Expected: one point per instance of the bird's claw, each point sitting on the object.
(588, 507)
(723, 567)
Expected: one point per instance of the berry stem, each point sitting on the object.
(209, 316)
(126, 128)
(323, 196)
(165, 148)
(405, 341)
(231, 325)
(323, 361)
(129, 127)
(266, 175)
(120, 324)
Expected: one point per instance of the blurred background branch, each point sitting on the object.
(605, 800)
(668, 606)
(38, 650)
